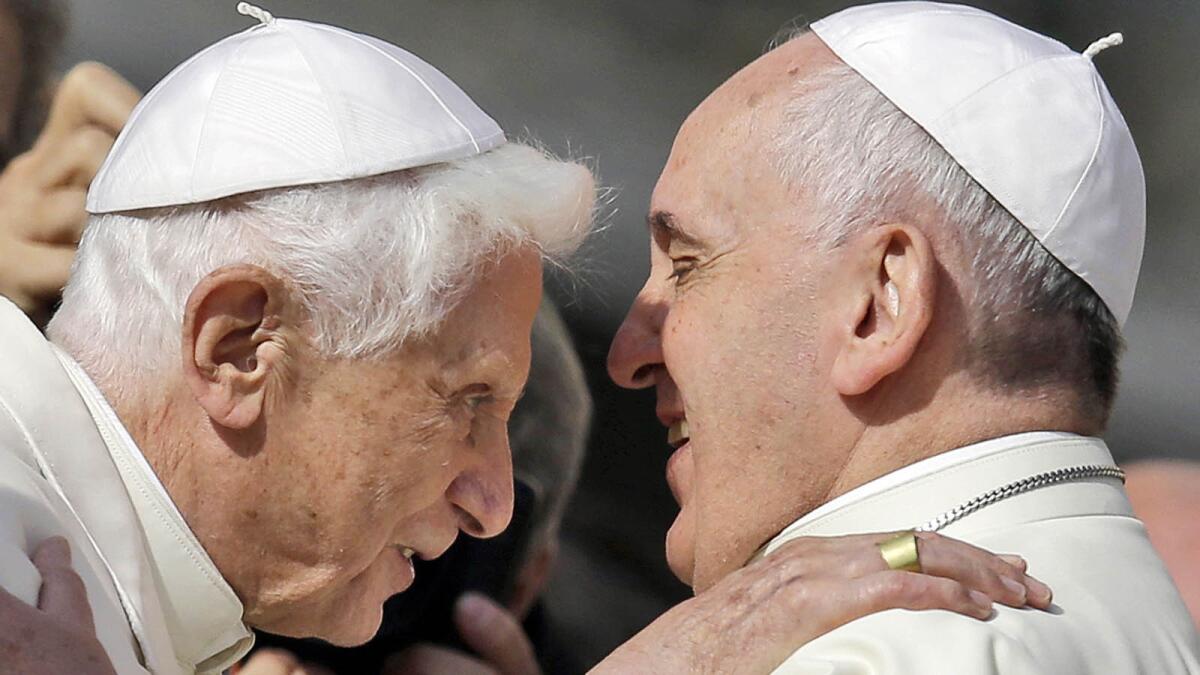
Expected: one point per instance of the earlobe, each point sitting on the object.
(232, 341)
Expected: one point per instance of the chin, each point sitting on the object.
(356, 632)
(342, 624)
(352, 614)
(681, 550)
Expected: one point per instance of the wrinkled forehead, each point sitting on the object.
(496, 313)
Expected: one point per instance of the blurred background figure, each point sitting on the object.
(46, 169)
(548, 434)
(1166, 497)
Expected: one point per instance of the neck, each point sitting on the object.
(167, 438)
(960, 415)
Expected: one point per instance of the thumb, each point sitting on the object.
(63, 594)
(494, 634)
(91, 93)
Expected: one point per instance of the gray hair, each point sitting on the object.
(549, 427)
(42, 24)
(1033, 322)
(375, 261)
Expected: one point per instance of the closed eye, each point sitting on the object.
(476, 395)
(475, 401)
(680, 268)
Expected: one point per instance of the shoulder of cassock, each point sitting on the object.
(1115, 609)
(32, 510)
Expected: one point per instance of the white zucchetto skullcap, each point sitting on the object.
(1029, 119)
(286, 103)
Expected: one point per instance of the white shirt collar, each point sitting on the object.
(203, 613)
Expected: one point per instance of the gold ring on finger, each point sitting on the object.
(900, 552)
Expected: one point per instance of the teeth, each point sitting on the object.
(408, 552)
(678, 433)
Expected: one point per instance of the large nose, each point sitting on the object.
(482, 495)
(636, 352)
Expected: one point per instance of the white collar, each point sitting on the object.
(918, 492)
(203, 613)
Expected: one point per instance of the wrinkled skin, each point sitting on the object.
(803, 366)
(767, 440)
(304, 477)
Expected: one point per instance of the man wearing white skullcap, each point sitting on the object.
(297, 319)
(890, 260)
(295, 328)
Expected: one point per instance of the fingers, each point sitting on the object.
(270, 662)
(915, 591)
(73, 158)
(277, 662)
(432, 660)
(1003, 579)
(1014, 560)
(90, 94)
(63, 594)
(43, 269)
(494, 634)
(980, 570)
(61, 218)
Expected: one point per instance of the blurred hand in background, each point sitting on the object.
(491, 631)
(42, 191)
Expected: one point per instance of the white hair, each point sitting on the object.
(865, 162)
(375, 261)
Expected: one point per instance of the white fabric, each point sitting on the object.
(1029, 119)
(1116, 610)
(287, 103)
(68, 467)
(204, 615)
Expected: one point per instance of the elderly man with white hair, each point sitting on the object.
(266, 388)
(295, 329)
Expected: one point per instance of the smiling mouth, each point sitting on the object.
(678, 435)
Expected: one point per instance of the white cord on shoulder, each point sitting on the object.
(247, 9)
(1102, 44)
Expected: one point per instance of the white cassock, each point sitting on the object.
(1115, 611)
(68, 467)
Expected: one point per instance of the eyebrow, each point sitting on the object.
(664, 223)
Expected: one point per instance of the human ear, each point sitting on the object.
(895, 281)
(233, 342)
